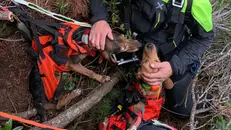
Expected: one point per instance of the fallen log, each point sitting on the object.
(26, 115)
(67, 98)
(66, 117)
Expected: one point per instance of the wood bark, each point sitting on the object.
(25, 115)
(67, 98)
(66, 117)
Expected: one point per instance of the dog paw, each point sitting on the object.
(105, 79)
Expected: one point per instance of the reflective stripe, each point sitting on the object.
(174, 43)
(166, 1)
(185, 6)
(157, 21)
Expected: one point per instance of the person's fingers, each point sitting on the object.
(92, 39)
(156, 65)
(110, 36)
(157, 75)
(90, 34)
(97, 40)
(102, 41)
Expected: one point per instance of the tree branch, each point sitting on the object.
(84, 105)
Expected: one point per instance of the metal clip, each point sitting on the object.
(177, 3)
(123, 61)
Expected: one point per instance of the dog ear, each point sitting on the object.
(103, 55)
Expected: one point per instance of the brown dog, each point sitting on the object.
(149, 57)
(118, 45)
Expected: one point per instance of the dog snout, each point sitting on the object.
(150, 46)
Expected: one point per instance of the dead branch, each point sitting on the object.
(193, 112)
(25, 115)
(11, 40)
(67, 98)
(84, 105)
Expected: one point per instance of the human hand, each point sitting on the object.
(98, 34)
(164, 72)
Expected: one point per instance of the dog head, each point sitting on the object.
(150, 54)
(121, 44)
(118, 45)
(149, 57)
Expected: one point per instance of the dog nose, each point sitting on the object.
(150, 46)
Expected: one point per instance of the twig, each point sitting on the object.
(217, 61)
(205, 123)
(46, 2)
(91, 62)
(11, 102)
(82, 122)
(84, 105)
(203, 110)
(12, 40)
(193, 112)
(26, 115)
(67, 98)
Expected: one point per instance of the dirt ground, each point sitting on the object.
(16, 64)
(15, 67)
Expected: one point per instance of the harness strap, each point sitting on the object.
(48, 26)
(127, 12)
(37, 41)
(177, 17)
(189, 6)
(114, 127)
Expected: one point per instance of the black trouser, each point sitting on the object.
(151, 127)
(179, 98)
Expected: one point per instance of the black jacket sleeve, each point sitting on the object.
(192, 51)
(98, 11)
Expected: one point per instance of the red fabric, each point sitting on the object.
(48, 67)
(112, 122)
(153, 104)
(151, 111)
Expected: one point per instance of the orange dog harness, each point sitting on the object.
(56, 52)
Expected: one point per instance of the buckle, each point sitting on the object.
(177, 3)
(124, 61)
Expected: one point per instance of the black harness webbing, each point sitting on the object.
(176, 18)
(127, 14)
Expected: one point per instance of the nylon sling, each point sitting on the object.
(177, 17)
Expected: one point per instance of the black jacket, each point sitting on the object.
(142, 21)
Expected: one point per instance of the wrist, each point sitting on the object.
(96, 19)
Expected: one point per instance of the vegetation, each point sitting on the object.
(62, 7)
(9, 126)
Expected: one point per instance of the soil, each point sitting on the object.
(16, 64)
(15, 67)
(76, 9)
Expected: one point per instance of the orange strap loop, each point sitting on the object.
(13, 117)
